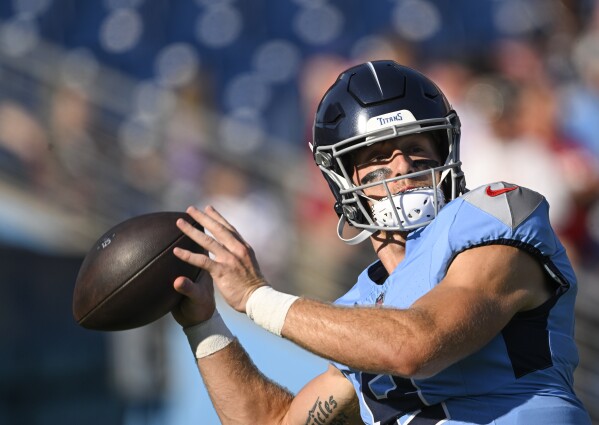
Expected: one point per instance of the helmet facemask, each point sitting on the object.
(395, 212)
(370, 103)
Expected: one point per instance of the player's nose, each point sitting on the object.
(401, 163)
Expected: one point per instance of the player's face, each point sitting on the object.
(393, 158)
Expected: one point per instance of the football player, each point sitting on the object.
(467, 317)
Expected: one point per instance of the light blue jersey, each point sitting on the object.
(524, 375)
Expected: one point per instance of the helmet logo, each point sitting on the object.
(389, 120)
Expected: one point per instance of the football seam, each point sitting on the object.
(122, 287)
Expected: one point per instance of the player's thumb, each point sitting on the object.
(186, 287)
(197, 304)
(195, 290)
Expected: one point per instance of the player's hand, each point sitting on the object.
(197, 304)
(233, 268)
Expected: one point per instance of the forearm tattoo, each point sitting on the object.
(321, 411)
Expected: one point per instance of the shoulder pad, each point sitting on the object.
(509, 203)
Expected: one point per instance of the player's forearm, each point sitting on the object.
(382, 342)
(240, 393)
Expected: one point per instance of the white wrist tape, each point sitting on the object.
(268, 308)
(208, 337)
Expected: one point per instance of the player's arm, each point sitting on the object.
(241, 394)
(328, 399)
(483, 289)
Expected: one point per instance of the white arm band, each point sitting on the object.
(268, 308)
(208, 337)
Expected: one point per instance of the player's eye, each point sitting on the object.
(377, 158)
(378, 155)
(415, 149)
(425, 164)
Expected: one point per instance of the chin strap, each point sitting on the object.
(359, 238)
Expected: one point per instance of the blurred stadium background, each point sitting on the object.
(113, 108)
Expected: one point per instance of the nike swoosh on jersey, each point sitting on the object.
(498, 192)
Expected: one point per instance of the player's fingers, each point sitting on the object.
(199, 260)
(199, 215)
(201, 238)
(207, 221)
(223, 234)
(211, 212)
(214, 214)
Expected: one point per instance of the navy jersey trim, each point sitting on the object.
(527, 343)
(526, 336)
(377, 273)
(389, 397)
(555, 275)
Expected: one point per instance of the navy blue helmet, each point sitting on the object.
(374, 102)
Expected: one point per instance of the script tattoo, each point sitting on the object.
(321, 411)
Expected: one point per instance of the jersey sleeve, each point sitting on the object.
(503, 213)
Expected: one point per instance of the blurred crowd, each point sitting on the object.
(83, 147)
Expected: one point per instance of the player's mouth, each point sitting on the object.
(401, 191)
(407, 189)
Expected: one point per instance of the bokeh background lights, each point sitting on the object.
(114, 108)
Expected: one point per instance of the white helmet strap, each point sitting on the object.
(359, 238)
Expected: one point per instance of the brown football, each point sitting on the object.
(126, 279)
